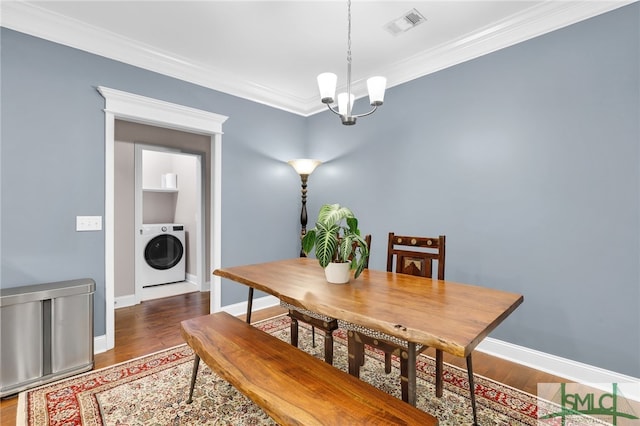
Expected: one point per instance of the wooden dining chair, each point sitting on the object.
(327, 324)
(414, 256)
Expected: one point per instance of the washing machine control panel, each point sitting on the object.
(156, 228)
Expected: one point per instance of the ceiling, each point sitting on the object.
(272, 51)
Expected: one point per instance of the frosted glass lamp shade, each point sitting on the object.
(304, 166)
(343, 98)
(327, 85)
(376, 87)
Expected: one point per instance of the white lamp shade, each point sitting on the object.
(343, 98)
(304, 166)
(376, 87)
(327, 85)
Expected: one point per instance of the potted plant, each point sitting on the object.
(338, 243)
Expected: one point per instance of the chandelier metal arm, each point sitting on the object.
(375, 107)
(335, 111)
(349, 119)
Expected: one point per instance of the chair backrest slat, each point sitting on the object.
(415, 255)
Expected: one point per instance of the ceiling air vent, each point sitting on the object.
(404, 23)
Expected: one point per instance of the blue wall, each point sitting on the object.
(527, 159)
(52, 165)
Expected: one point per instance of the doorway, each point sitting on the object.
(169, 192)
(138, 109)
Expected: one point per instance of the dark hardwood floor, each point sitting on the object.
(154, 325)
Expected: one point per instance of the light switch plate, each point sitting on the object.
(88, 223)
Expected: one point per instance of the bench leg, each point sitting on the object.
(472, 389)
(194, 373)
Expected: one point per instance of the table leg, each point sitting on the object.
(439, 366)
(356, 353)
(411, 373)
(472, 389)
(194, 373)
(249, 305)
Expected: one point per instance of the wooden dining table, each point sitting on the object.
(445, 315)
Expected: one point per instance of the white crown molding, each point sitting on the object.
(36, 21)
(537, 20)
(533, 22)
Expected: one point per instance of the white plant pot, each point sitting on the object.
(338, 273)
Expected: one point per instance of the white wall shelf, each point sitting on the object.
(160, 189)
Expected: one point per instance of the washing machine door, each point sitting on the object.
(163, 252)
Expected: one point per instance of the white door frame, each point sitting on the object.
(138, 215)
(130, 107)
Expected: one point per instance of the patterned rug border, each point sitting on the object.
(513, 403)
(124, 365)
(129, 368)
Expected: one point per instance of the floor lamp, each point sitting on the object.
(304, 167)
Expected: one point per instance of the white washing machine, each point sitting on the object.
(162, 259)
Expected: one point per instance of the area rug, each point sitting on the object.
(152, 390)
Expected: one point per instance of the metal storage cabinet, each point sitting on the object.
(46, 333)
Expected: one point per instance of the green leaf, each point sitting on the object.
(333, 213)
(326, 242)
(346, 247)
(352, 223)
(308, 241)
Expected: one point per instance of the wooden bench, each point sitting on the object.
(290, 385)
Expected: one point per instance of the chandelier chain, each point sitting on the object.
(349, 58)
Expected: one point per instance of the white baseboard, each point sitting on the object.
(158, 292)
(206, 286)
(193, 279)
(260, 303)
(572, 370)
(124, 301)
(100, 344)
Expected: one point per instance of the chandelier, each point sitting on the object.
(327, 85)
